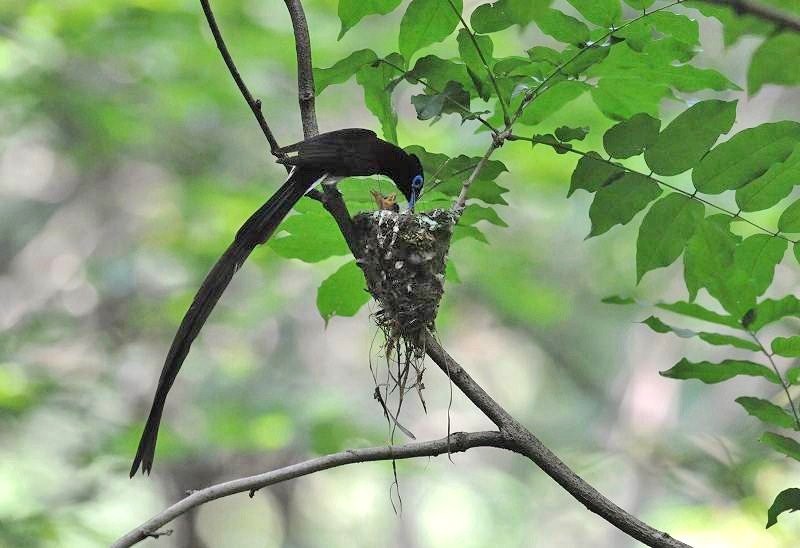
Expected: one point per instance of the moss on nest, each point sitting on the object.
(403, 259)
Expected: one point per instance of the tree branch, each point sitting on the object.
(767, 13)
(305, 73)
(522, 441)
(255, 105)
(455, 443)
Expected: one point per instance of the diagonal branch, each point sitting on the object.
(255, 105)
(455, 443)
(767, 13)
(525, 443)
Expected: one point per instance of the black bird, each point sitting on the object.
(325, 158)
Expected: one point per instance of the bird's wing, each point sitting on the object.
(343, 152)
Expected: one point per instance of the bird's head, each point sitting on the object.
(411, 180)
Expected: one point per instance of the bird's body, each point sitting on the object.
(327, 157)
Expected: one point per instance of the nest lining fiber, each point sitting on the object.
(403, 258)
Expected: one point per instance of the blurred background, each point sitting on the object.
(127, 161)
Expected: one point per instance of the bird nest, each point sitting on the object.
(403, 257)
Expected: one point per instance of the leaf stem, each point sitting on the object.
(693, 195)
(780, 377)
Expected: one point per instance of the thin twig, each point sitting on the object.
(767, 13)
(692, 195)
(778, 374)
(255, 105)
(488, 69)
(462, 197)
(457, 442)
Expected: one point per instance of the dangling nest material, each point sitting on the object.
(403, 259)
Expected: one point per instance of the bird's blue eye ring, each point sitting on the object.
(416, 182)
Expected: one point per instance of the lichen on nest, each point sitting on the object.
(403, 256)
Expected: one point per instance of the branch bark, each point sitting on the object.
(455, 443)
(512, 435)
(254, 104)
(305, 73)
(767, 13)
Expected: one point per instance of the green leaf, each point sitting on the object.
(757, 256)
(790, 219)
(771, 310)
(562, 27)
(656, 64)
(788, 347)
(353, 11)
(450, 272)
(694, 310)
(312, 237)
(665, 231)
(552, 100)
(566, 134)
(343, 293)
(679, 26)
(796, 248)
(616, 299)
(620, 201)
(605, 13)
(426, 22)
(592, 173)
(770, 63)
(620, 98)
(632, 136)
(437, 72)
(343, 70)
(712, 373)
(474, 213)
(686, 139)
(716, 339)
(772, 187)
(447, 102)
(787, 500)
(793, 376)
(495, 16)
(469, 55)
(782, 444)
(709, 262)
(376, 80)
(767, 412)
(461, 232)
(745, 157)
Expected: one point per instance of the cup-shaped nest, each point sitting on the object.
(403, 259)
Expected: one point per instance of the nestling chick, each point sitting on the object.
(388, 203)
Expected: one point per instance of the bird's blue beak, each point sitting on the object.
(413, 200)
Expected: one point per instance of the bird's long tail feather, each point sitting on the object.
(256, 230)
